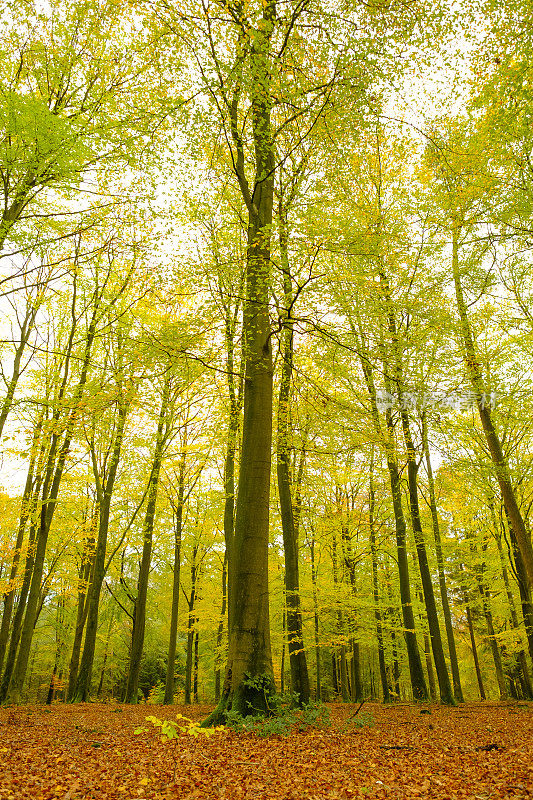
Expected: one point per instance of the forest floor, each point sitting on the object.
(89, 751)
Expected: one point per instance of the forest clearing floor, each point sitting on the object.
(89, 751)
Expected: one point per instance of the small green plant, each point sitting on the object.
(364, 720)
(284, 721)
(168, 731)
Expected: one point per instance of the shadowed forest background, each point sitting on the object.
(267, 321)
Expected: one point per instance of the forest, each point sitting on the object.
(266, 315)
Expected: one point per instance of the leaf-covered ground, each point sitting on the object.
(91, 752)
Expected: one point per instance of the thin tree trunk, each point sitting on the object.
(25, 514)
(50, 494)
(474, 651)
(219, 657)
(386, 437)
(524, 677)
(105, 494)
(454, 664)
(178, 525)
(318, 687)
(139, 622)
(191, 619)
(297, 657)
(87, 565)
(375, 584)
(446, 694)
(106, 652)
(491, 635)
(196, 665)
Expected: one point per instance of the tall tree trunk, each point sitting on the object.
(474, 652)
(318, 686)
(191, 620)
(341, 653)
(523, 671)
(178, 525)
(454, 664)
(375, 584)
(499, 460)
(446, 694)
(86, 568)
(523, 588)
(297, 657)
(491, 635)
(50, 495)
(249, 678)
(235, 400)
(196, 665)
(219, 656)
(25, 514)
(19, 613)
(106, 653)
(139, 622)
(105, 495)
(386, 437)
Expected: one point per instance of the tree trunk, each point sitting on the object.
(297, 657)
(386, 437)
(106, 652)
(474, 652)
(139, 622)
(523, 671)
(491, 635)
(178, 524)
(318, 686)
(50, 495)
(446, 694)
(219, 658)
(196, 665)
(191, 619)
(375, 584)
(249, 681)
(87, 565)
(25, 514)
(105, 494)
(498, 457)
(456, 678)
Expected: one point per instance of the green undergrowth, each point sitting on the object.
(285, 719)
